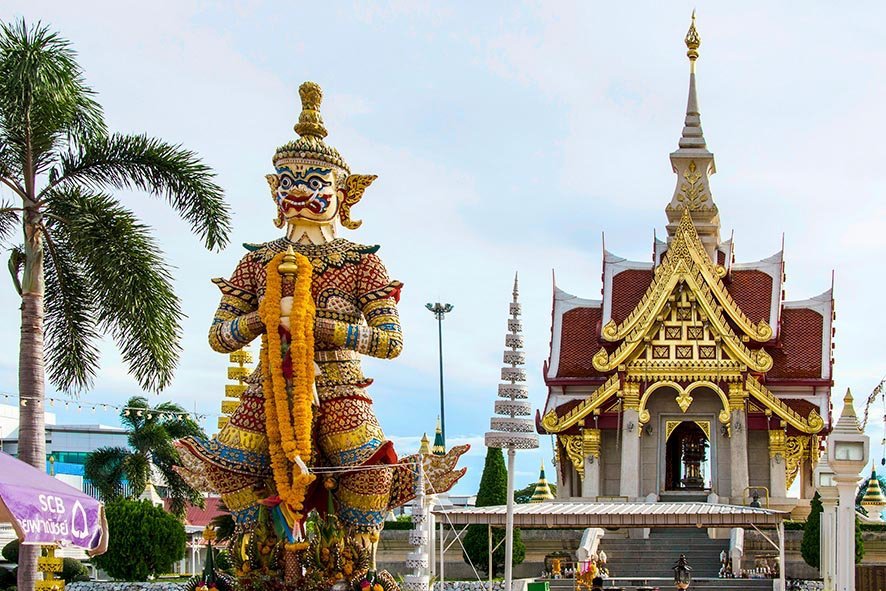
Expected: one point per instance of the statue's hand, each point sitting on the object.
(285, 311)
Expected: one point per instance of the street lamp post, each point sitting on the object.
(825, 485)
(847, 455)
(440, 311)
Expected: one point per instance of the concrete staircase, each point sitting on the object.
(655, 557)
(667, 584)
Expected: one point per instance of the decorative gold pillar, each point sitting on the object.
(629, 484)
(738, 441)
(50, 566)
(591, 440)
(777, 473)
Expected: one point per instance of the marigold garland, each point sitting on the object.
(288, 410)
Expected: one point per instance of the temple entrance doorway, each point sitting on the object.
(687, 465)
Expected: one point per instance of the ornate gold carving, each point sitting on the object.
(693, 40)
(795, 451)
(643, 417)
(554, 424)
(350, 194)
(687, 262)
(631, 396)
(705, 427)
(591, 442)
(693, 194)
(671, 426)
(737, 396)
(811, 424)
(777, 443)
(684, 400)
(724, 417)
(574, 448)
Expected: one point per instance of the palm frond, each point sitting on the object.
(138, 472)
(152, 165)
(16, 263)
(44, 100)
(104, 467)
(10, 220)
(179, 492)
(131, 284)
(71, 351)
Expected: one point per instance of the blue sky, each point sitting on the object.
(507, 136)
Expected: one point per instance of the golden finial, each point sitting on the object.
(310, 123)
(693, 41)
(209, 533)
(288, 266)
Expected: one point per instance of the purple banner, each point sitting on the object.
(46, 510)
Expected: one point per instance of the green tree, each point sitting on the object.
(859, 542)
(810, 547)
(86, 266)
(493, 491)
(144, 541)
(152, 431)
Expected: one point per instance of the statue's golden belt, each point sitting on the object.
(336, 355)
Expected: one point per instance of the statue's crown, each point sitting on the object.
(310, 145)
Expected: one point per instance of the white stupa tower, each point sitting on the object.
(512, 428)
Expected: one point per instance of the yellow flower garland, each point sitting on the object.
(288, 410)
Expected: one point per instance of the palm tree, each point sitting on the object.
(86, 265)
(151, 433)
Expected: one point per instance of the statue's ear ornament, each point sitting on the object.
(273, 181)
(350, 194)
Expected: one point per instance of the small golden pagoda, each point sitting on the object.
(874, 502)
(542, 490)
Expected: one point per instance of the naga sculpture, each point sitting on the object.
(304, 435)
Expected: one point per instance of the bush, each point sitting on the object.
(73, 570)
(10, 551)
(810, 546)
(144, 541)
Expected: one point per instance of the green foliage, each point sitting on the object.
(8, 578)
(73, 570)
(810, 547)
(10, 551)
(859, 542)
(101, 267)
(493, 491)
(152, 431)
(144, 541)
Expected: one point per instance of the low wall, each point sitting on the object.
(122, 586)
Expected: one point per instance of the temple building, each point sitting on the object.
(692, 377)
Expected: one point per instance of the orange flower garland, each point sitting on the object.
(288, 410)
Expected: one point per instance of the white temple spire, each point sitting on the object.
(512, 428)
(694, 164)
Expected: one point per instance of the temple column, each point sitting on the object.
(629, 484)
(590, 486)
(738, 442)
(777, 476)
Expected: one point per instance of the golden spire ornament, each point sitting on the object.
(693, 42)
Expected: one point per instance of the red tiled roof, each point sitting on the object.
(628, 288)
(579, 342)
(801, 341)
(200, 517)
(752, 291)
